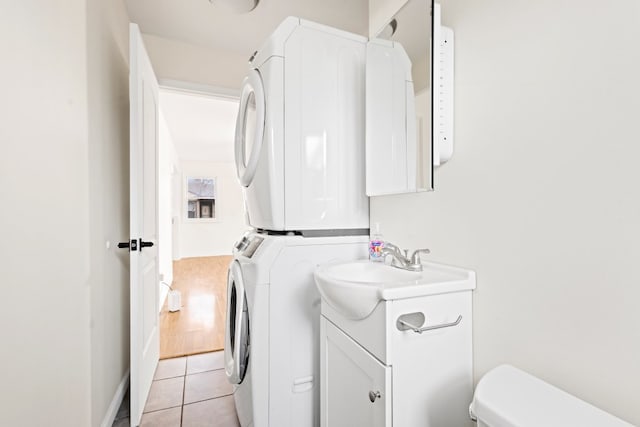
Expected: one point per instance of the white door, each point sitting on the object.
(145, 344)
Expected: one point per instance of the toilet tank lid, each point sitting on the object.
(508, 397)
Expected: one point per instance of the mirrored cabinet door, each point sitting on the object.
(399, 101)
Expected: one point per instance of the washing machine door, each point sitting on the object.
(236, 346)
(250, 126)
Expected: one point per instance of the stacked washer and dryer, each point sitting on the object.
(300, 160)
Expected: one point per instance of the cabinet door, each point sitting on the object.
(355, 386)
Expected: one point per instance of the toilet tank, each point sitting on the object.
(509, 397)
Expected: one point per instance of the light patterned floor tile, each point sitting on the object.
(170, 368)
(165, 394)
(205, 362)
(165, 418)
(220, 412)
(206, 385)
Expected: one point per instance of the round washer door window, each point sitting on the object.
(236, 348)
(249, 127)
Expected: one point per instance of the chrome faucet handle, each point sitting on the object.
(397, 259)
(400, 252)
(415, 257)
(392, 247)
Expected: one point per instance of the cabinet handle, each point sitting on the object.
(373, 395)
(403, 325)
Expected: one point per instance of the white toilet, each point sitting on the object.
(509, 397)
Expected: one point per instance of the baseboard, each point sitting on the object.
(112, 411)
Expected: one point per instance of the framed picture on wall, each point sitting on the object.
(201, 198)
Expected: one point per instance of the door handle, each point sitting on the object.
(144, 244)
(131, 245)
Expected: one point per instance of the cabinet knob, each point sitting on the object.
(373, 395)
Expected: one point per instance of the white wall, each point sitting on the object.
(44, 220)
(64, 172)
(108, 84)
(175, 60)
(198, 238)
(541, 195)
(168, 168)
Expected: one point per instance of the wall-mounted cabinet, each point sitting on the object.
(399, 103)
(409, 100)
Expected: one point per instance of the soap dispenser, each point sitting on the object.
(376, 243)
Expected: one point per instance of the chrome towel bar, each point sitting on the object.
(403, 325)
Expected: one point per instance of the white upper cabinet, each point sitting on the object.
(399, 148)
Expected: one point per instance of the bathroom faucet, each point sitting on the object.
(402, 260)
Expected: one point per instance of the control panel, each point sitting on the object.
(248, 245)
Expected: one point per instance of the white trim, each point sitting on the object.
(112, 411)
(198, 89)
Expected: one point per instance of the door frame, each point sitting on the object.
(185, 87)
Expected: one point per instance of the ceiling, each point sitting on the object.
(201, 127)
(214, 25)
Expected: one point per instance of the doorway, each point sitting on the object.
(200, 215)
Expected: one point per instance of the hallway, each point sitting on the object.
(199, 325)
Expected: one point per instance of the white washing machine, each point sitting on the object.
(273, 321)
(300, 130)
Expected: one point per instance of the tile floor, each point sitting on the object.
(187, 391)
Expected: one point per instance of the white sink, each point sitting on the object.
(355, 288)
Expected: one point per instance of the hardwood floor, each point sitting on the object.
(199, 325)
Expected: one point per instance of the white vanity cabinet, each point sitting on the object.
(375, 374)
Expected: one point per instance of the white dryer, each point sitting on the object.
(273, 322)
(299, 143)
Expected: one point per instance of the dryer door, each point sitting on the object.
(236, 346)
(249, 127)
